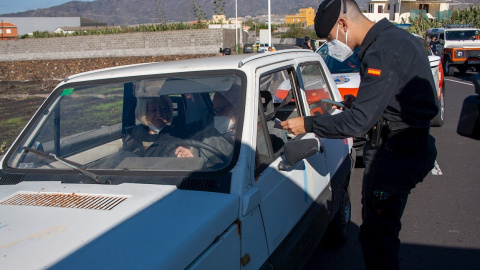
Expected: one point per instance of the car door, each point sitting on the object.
(285, 195)
(315, 88)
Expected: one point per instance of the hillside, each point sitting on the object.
(128, 12)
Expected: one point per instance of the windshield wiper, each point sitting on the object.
(66, 162)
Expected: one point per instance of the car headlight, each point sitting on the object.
(459, 54)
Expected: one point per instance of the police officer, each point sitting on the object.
(395, 102)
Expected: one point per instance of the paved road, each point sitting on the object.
(441, 223)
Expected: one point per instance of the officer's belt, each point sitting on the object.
(381, 132)
(406, 133)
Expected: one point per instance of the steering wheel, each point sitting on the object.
(197, 144)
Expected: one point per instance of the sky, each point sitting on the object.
(25, 5)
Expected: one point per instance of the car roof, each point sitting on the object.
(240, 61)
(435, 30)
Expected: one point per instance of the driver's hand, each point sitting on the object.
(294, 125)
(182, 152)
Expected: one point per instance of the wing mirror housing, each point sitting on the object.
(469, 122)
(296, 150)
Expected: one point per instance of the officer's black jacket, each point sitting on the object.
(396, 82)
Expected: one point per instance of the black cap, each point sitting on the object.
(326, 17)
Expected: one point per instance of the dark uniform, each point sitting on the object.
(396, 87)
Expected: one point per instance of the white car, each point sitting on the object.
(73, 196)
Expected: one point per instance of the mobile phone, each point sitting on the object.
(332, 102)
(277, 123)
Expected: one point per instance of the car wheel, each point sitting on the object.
(438, 120)
(337, 232)
(449, 70)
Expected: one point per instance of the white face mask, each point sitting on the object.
(338, 49)
(223, 124)
(154, 128)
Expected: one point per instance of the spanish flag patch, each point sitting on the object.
(374, 72)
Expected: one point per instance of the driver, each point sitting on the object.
(154, 134)
(221, 135)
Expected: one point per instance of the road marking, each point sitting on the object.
(471, 84)
(436, 169)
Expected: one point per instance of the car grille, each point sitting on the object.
(64, 200)
(472, 54)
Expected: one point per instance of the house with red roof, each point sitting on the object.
(8, 31)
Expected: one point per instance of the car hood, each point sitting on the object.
(347, 83)
(132, 226)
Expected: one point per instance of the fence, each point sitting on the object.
(181, 42)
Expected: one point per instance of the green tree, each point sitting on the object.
(160, 7)
(469, 15)
(219, 7)
(198, 12)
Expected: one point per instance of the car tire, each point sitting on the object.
(439, 118)
(463, 69)
(337, 231)
(448, 69)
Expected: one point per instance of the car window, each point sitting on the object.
(277, 101)
(138, 125)
(350, 65)
(462, 35)
(316, 88)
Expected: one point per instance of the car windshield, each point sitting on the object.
(462, 34)
(188, 123)
(350, 65)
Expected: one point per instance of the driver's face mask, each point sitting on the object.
(338, 49)
(223, 124)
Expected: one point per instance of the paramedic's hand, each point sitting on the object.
(294, 125)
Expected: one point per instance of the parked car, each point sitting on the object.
(262, 47)
(347, 77)
(74, 196)
(226, 51)
(248, 48)
(459, 46)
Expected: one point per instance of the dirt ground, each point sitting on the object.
(18, 103)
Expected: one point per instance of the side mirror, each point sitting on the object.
(469, 122)
(297, 150)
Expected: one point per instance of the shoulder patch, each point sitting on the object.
(374, 72)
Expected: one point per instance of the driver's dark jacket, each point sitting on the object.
(169, 138)
(133, 141)
(396, 82)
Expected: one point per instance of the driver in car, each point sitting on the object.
(152, 137)
(221, 135)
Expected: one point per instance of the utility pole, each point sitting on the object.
(236, 26)
(269, 26)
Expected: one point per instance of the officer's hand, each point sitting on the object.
(294, 125)
(348, 100)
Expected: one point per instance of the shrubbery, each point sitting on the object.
(464, 16)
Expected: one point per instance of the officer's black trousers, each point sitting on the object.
(390, 173)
